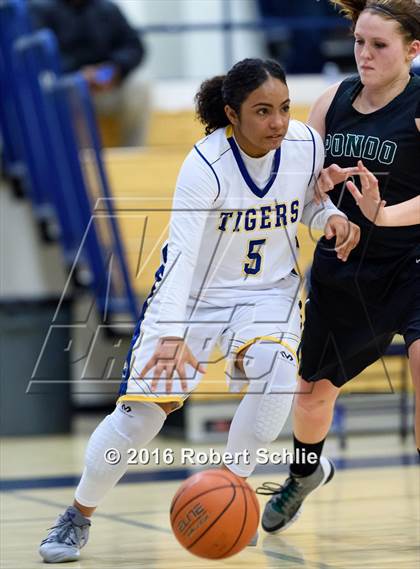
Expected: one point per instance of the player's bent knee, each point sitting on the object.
(131, 425)
(312, 403)
(312, 397)
(133, 418)
(168, 407)
(280, 383)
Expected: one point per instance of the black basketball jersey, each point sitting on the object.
(388, 142)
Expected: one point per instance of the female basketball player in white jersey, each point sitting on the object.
(227, 277)
(353, 314)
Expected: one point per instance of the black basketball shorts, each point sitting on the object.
(353, 312)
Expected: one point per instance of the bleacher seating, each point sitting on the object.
(57, 126)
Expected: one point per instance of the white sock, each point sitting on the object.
(131, 425)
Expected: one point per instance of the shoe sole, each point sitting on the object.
(63, 557)
(286, 526)
(329, 474)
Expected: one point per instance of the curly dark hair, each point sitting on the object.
(232, 89)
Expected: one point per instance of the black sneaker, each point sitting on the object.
(284, 508)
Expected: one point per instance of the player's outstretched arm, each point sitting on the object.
(373, 207)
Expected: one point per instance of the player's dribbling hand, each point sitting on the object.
(330, 177)
(369, 199)
(347, 235)
(171, 354)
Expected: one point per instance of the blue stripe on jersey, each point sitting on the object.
(211, 168)
(259, 192)
(314, 156)
(137, 331)
(222, 154)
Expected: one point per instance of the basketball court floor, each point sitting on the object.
(367, 517)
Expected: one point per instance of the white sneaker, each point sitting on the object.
(65, 539)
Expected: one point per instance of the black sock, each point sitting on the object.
(418, 450)
(301, 466)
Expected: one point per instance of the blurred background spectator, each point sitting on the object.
(95, 38)
(308, 49)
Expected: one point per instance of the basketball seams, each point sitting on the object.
(177, 497)
(216, 519)
(255, 503)
(226, 553)
(216, 473)
(210, 542)
(174, 516)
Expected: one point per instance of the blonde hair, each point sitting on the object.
(405, 12)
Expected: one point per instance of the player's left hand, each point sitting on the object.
(347, 235)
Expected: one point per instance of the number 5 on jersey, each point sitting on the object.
(255, 256)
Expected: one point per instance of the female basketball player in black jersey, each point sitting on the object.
(355, 309)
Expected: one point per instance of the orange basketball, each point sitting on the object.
(214, 514)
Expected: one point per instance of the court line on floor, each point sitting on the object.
(171, 474)
(48, 518)
(119, 518)
(115, 517)
(154, 512)
(301, 561)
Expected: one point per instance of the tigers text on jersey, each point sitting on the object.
(235, 219)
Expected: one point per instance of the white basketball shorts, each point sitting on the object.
(232, 324)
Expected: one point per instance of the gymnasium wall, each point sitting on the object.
(195, 54)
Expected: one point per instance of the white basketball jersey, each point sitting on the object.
(235, 219)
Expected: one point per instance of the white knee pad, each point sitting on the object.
(275, 366)
(138, 421)
(263, 411)
(131, 425)
(272, 414)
